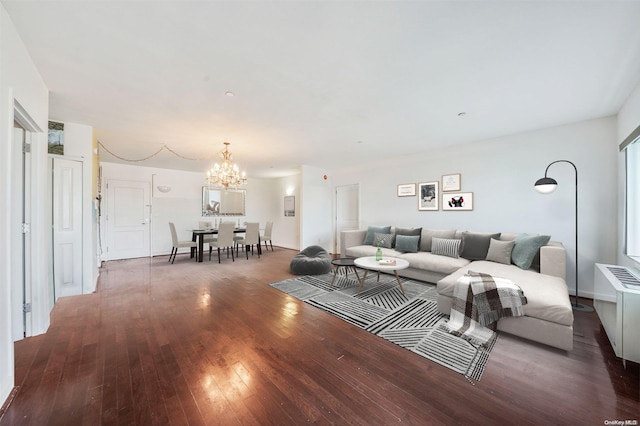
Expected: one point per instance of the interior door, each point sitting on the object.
(347, 210)
(20, 240)
(128, 219)
(67, 227)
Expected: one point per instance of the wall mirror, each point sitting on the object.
(223, 202)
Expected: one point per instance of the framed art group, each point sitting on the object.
(429, 194)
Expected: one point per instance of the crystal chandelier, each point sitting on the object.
(225, 174)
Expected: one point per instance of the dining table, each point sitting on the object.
(198, 236)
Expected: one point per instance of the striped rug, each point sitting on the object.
(410, 320)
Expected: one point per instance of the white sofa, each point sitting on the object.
(548, 315)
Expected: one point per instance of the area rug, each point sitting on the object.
(410, 320)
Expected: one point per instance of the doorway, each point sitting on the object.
(347, 211)
(21, 239)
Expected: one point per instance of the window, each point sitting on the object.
(632, 242)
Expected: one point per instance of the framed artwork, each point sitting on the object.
(290, 205)
(428, 196)
(56, 138)
(451, 182)
(407, 190)
(457, 201)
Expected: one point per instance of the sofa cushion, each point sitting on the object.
(446, 247)
(428, 234)
(368, 239)
(367, 250)
(500, 251)
(475, 245)
(383, 240)
(525, 249)
(407, 243)
(547, 296)
(408, 231)
(433, 262)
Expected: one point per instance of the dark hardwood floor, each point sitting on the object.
(204, 344)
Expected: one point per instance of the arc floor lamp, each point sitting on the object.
(547, 185)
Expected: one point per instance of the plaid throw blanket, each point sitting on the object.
(479, 301)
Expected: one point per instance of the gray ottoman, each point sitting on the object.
(313, 260)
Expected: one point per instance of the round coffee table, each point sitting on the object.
(370, 263)
(344, 262)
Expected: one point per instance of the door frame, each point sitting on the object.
(336, 238)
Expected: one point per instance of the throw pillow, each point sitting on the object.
(500, 251)
(408, 231)
(407, 243)
(428, 234)
(525, 249)
(445, 247)
(475, 245)
(368, 239)
(382, 240)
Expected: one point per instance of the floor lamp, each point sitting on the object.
(547, 185)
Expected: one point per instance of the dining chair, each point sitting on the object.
(251, 238)
(207, 225)
(179, 244)
(225, 239)
(266, 235)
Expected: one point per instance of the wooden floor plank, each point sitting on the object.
(206, 343)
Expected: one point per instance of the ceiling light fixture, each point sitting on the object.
(229, 93)
(225, 174)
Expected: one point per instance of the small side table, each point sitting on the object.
(344, 262)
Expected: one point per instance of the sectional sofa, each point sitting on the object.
(441, 256)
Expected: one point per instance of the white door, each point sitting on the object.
(128, 219)
(21, 241)
(347, 210)
(67, 227)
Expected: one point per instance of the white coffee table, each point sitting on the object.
(370, 263)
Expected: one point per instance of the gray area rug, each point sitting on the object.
(410, 320)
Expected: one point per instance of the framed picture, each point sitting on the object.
(457, 201)
(451, 182)
(290, 205)
(428, 196)
(407, 190)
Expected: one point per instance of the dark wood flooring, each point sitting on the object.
(206, 344)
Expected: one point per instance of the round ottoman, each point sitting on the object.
(313, 260)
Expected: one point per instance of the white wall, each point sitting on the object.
(501, 174)
(316, 208)
(183, 204)
(628, 120)
(20, 82)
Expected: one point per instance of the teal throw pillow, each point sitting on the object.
(368, 239)
(407, 243)
(525, 249)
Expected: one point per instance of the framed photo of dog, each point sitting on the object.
(457, 201)
(428, 196)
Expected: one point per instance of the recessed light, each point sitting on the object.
(462, 114)
(229, 93)
(359, 142)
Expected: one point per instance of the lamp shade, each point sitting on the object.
(546, 185)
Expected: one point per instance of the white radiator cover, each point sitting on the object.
(617, 302)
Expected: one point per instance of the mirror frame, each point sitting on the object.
(208, 212)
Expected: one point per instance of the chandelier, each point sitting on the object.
(225, 174)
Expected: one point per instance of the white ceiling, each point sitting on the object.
(325, 83)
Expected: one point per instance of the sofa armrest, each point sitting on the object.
(553, 260)
(351, 238)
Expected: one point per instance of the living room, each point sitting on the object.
(499, 169)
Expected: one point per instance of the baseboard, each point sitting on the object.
(8, 401)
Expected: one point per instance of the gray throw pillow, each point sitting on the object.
(500, 251)
(382, 240)
(407, 243)
(445, 247)
(525, 249)
(368, 239)
(408, 231)
(429, 234)
(475, 245)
